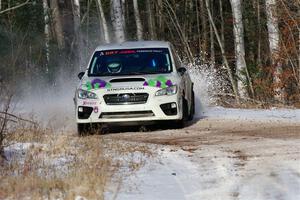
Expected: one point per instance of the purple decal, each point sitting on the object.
(98, 83)
(158, 84)
(169, 83)
(145, 83)
(96, 109)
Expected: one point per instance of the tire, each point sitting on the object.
(89, 129)
(192, 109)
(185, 114)
(82, 129)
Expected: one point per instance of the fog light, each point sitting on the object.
(169, 108)
(173, 105)
(84, 112)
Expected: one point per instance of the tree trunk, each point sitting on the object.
(139, 26)
(56, 21)
(230, 75)
(103, 22)
(299, 48)
(204, 29)
(198, 28)
(222, 22)
(238, 32)
(211, 36)
(46, 32)
(160, 17)
(179, 30)
(273, 36)
(78, 37)
(151, 24)
(124, 9)
(117, 20)
(259, 61)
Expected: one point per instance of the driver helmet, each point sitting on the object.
(114, 67)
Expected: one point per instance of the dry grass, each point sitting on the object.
(63, 166)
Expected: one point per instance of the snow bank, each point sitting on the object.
(282, 115)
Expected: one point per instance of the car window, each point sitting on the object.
(130, 62)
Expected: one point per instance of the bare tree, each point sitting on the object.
(273, 36)
(151, 24)
(229, 71)
(182, 36)
(211, 36)
(204, 28)
(238, 30)
(259, 61)
(160, 16)
(46, 32)
(78, 37)
(117, 18)
(13, 8)
(299, 44)
(103, 22)
(9, 122)
(222, 22)
(57, 24)
(4, 119)
(139, 26)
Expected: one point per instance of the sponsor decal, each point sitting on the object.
(160, 82)
(89, 103)
(96, 109)
(125, 88)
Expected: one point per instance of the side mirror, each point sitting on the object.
(80, 75)
(181, 70)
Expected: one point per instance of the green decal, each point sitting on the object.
(160, 82)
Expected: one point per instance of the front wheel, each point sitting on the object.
(82, 129)
(185, 114)
(192, 108)
(85, 129)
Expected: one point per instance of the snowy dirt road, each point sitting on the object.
(254, 157)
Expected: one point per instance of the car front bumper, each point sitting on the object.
(157, 108)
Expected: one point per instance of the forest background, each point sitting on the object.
(253, 45)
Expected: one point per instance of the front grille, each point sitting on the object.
(126, 98)
(129, 114)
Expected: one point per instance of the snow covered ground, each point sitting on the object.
(274, 114)
(250, 154)
(224, 154)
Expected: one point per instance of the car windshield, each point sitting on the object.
(130, 62)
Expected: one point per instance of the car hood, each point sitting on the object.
(131, 82)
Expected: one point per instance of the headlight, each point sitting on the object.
(83, 94)
(167, 91)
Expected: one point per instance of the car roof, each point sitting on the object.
(134, 45)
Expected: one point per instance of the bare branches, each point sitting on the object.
(175, 21)
(3, 124)
(14, 7)
(16, 118)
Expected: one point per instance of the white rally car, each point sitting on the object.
(134, 83)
